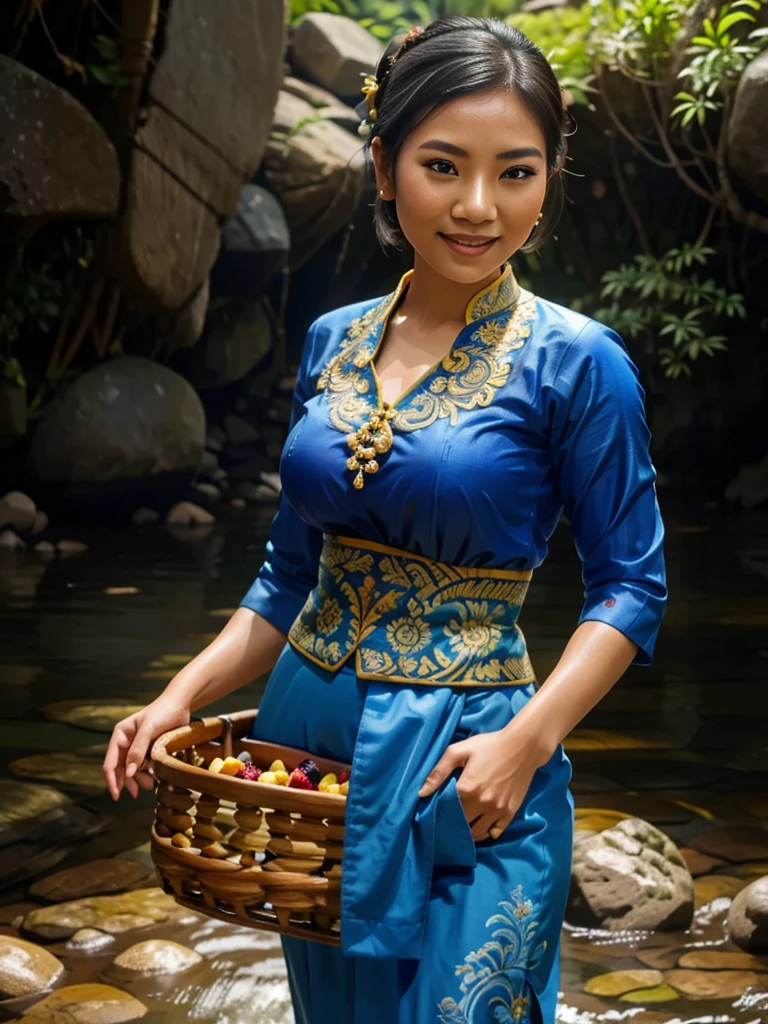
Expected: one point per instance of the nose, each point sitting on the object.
(476, 201)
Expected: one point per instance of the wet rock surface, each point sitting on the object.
(86, 1004)
(26, 968)
(79, 771)
(112, 914)
(157, 956)
(94, 878)
(630, 876)
(748, 917)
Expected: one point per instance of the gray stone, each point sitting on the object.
(255, 243)
(18, 511)
(239, 430)
(145, 516)
(10, 541)
(239, 503)
(71, 547)
(215, 439)
(272, 480)
(748, 127)
(331, 108)
(40, 524)
(55, 159)
(157, 956)
(204, 494)
(90, 879)
(335, 52)
(256, 494)
(210, 462)
(185, 513)
(238, 335)
(45, 549)
(26, 969)
(183, 328)
(748, 917)
(317, 171)
(630, 876)
(126, 429)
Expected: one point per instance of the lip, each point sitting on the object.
(456, 244)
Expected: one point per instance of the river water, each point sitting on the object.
(681, 743)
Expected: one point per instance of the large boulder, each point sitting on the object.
(317, 171)
(25, 968)
(335, 52)
(324, 102)
(125, 432)
(255, 243)
(748, 917)
(630, 876)
(238, 335)
(208, 113)
(55, 160)
(747, 129)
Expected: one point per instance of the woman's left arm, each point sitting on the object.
(600, 453)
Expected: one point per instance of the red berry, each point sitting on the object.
(343, 777)
(249, 772)
(298, 780)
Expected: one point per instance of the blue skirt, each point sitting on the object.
(434, 927)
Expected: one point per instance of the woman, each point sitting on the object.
(437, 435)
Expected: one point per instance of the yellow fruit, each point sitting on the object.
(333, 787)
(231, 766)
(343, 788)
(216, 765)
(268, 777)
(326, 781)
(277, 766)
(281, 778)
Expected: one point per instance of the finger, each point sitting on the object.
(137, 753)
(132, 787)
(145, 780)
(500, 826)
(482, 826)
(454, 757)
(114, 761)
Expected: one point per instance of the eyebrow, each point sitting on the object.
(509, 154)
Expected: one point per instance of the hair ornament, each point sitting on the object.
(371, 84)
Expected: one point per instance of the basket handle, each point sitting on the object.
(226, 736)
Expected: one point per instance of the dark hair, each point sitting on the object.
(456, 56)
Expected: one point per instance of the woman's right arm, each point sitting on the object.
(246, 648)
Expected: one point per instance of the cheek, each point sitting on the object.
(417, 200)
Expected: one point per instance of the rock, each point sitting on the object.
(183, 328)
(699, 863)
(26, 968)
(630, 876)
(256, 494)
(186, 514)
(658, 994)
(112, 914)
(215, 439)
(204, 494)
(272, 480)
(157, 956)
(197, 144)
(239, 430)
(85, 1004)
(55, 159)
(748, 917)
(40, 524)
(238, 503)
(79, 769)
(89, 940)
(317, 172)
(711, 887)
(91, 879)
(210, 463)
(335, 52)
(45, 549)
(126, 428)
(616, 983)
(324, 102)
(748, 126)
(71, 547)
(722, 960)
(713, 984)
(255, 243)
(18, 511)
(145, 516)
(11, 542)
(736, 843)
(250, 470)
(750, 485)
(238, 335)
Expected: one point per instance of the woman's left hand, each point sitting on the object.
(497, 769)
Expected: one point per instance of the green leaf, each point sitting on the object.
(732, 19)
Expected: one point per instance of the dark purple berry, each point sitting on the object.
(311, 770)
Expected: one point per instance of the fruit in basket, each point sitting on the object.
(216, 765)
(298, 780)
(231, 766)
(343, 777)
(281, 777)
(268, 777)
(310, 769)
(326, 781)
(245, 757)
(344, 786)
(250, 772)
(333, 787)
(277, 766)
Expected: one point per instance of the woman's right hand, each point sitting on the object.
(131, 740)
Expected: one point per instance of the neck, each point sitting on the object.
(432, 299)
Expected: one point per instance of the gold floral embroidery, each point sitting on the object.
(467, 378)
(495, 978)
(412, 619)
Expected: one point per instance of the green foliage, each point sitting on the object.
(13, 372)
(667, 299)
(382, 18)
(563, 34)
(104, 66)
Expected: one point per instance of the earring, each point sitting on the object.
(539, 219)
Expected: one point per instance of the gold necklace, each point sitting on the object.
(371, 439)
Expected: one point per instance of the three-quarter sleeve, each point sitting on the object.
(290, 568)
(600, 447)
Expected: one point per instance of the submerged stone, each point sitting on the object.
(26, 968)
(92, 879)
(85, 1004)
(157, 956)
(113, 914)
(616, 983)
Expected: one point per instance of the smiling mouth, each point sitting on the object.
(468, 241)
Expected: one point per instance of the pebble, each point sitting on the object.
(145, 516)
(71, 547)
(157, 956)
(185, 513)
(17, 510)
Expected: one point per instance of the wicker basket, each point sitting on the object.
(231, 822)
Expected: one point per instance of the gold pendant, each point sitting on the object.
(371, 439)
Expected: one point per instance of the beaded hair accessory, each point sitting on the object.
(371, 84)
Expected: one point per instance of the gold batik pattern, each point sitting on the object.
(412, 619)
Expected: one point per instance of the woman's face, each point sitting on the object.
(474, 171)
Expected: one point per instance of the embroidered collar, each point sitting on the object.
(498, 318)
